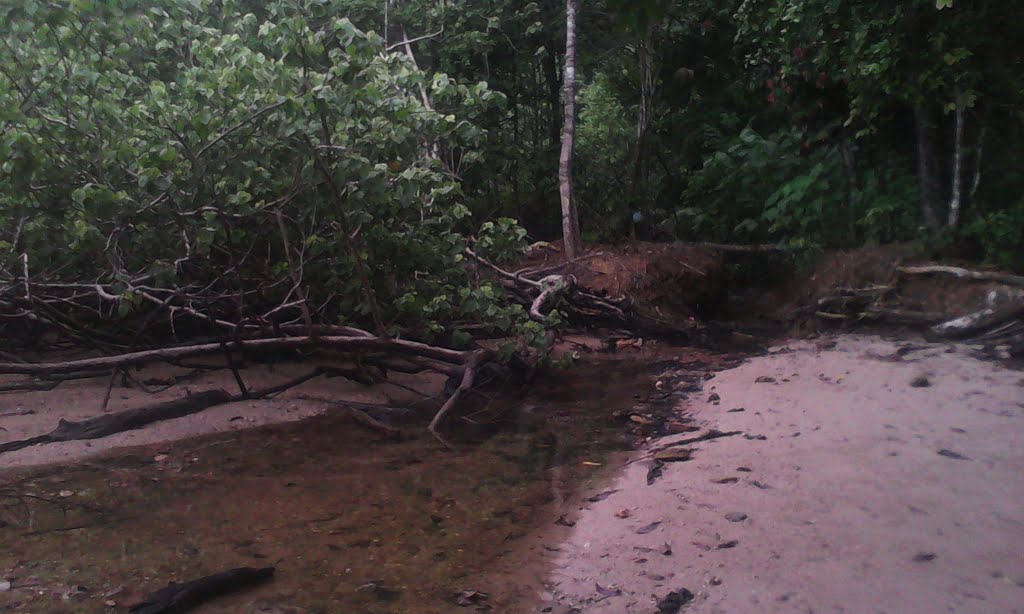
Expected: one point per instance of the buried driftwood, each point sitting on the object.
(999, 326)
(132, 419)
(1002, 278)
(177, 598)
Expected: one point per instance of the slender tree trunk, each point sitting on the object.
(570, 218)
(926, 168)
(956, 193)
(554, 93)
(979, 149)
(645, 56)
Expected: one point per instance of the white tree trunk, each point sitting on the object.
(956, 194)
(570, 217)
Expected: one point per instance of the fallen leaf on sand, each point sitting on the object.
(644, 530)
(673, 455)
(601, 496)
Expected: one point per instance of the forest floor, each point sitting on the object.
(844, 481)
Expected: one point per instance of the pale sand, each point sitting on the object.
(850, 501)
(78, 400)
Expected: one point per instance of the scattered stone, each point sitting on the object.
(610, 591)
(565, 522)
(639, 419)
(470, 597)
(674, 601)
(666, 549)
(735, 516)
(5, 585)
(796, 434)
(66, 493)
(957, 430)
(744, 469)
(159, 458)
(623, 513)
(729, 480)
(924, 557)
(714, 396)
(755, 437)
(715, 581)
(677, 428)
(920, 382)
(732, 543)
(736, 410)
(647, 528)
(673, 455)
(760, 485)
(952, 454)
(764, 379)
(654, 576)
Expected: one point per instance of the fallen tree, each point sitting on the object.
(1000, 322)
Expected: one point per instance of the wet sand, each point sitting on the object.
(852, 488)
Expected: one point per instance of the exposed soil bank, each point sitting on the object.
(853, 489)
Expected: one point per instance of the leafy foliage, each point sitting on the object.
(259, 150)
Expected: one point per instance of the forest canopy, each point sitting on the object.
(301, 161)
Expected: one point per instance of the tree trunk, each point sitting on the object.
(645, 56)
(956, 193)
(926, 168)
(554, 93)
(570, 218)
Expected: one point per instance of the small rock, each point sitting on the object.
(639, 419)
(760, 485)
(674, 601)
(729, 480)
(5, 585)
(735, 516)
(920, 382)
(715, 581)
(755, 437)
(159, 458)
(736, 410)
(924, 557)
(110, 603)
(764, 379)
(623, 513)
(714, 396)
(66, 493)
(565, 522)
(666, 549)
(609, 591)
(744, 469)
(732, 543)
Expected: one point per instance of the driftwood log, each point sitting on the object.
(179, 598)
